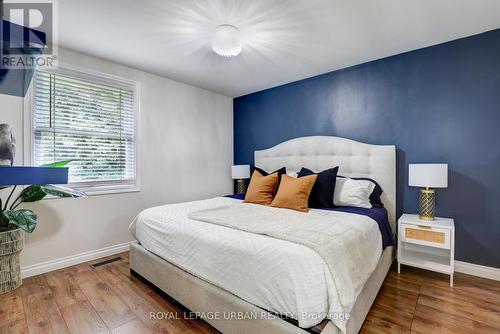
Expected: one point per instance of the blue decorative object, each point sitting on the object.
(16, 81)
(17, 176)
(39, 179)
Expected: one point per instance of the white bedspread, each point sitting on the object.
(277, 275)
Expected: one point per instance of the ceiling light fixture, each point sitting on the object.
(227, 41)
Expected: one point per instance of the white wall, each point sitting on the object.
(185, 152)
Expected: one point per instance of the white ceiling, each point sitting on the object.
(283, 40)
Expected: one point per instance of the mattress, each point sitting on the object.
(276, 275)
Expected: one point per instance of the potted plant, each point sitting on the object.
(14, 221)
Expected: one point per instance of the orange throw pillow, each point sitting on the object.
(294, 193)
(262, 188)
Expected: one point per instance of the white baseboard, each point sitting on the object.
(477, 270)
(44, 267)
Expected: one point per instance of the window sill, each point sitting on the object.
(98, 191)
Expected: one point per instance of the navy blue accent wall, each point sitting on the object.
(438, 104)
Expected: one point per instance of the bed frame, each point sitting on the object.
(317, 153)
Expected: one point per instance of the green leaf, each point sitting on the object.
(58, 164)
(25, 219)
(32, 194)
(61, 191)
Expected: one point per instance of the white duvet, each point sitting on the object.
(276, 275)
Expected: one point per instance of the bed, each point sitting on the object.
(241, 281)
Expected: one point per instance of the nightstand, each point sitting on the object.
(427, 244)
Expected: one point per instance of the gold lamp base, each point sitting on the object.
(240, 186)
(427, 204)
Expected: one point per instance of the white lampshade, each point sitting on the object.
(239, 172)
(428, 175)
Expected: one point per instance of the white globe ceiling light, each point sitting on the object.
(227, 41)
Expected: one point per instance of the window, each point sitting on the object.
(87, 119)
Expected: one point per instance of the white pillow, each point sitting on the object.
(349, 192)
(293, 174)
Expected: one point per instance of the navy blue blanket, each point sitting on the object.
(377, 214)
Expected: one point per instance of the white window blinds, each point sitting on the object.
(87, 121)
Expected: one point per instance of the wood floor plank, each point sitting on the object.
(428, 320)
(201, 327)
(113, 311)
(399, 285)
(473, 312)
(123, 266)
(391, 314)
(132, 327)
(464, 294)
(480, 328)
(402, 300)
(43, 315)
(80, 274)
(478, 282)
(81, 318)
(143, 306)
(109, 273)
(12, 315)
(65, 291)
(379, 326)
(35, 284)
(439, 307)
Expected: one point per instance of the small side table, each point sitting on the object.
(427, 244)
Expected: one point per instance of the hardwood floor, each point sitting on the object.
(420, 301)
(109, 300)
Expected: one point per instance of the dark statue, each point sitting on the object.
(7, 145)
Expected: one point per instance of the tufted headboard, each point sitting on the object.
(355, 159)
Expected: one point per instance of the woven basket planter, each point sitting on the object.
(11, 244)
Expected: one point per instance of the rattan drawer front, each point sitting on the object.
(430, 236)
(426, 235)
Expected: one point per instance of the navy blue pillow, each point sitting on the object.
(280, 172)
(375, 200)
(322, 192)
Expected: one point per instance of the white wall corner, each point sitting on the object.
(477, 270)
(44, 267)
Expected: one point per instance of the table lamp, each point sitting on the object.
(427, 177)
(240, 173)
